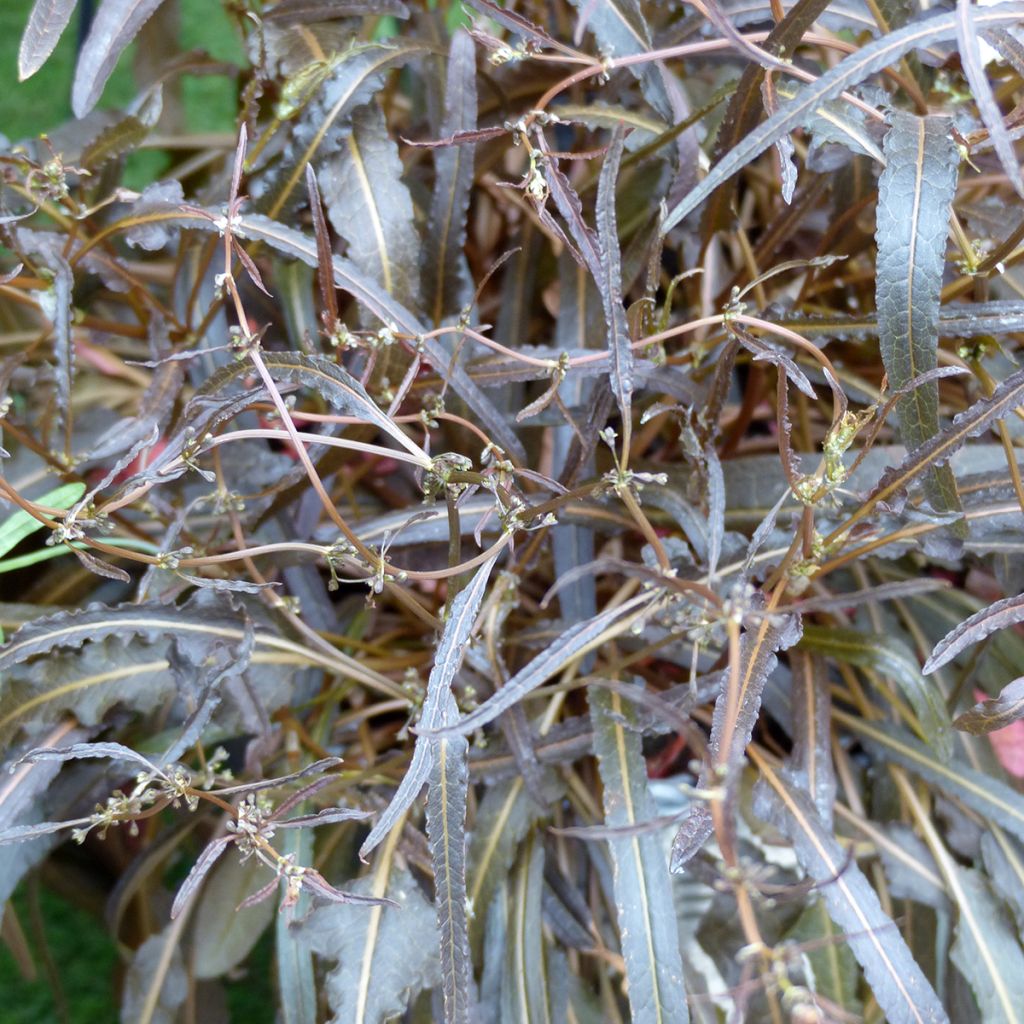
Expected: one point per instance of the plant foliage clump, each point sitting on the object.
(534, 499)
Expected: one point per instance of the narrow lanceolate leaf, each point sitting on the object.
(899, 986)
(957, 320)
(296, 12)
(116, 24)
(199, 871)
(1000, 615)
(444, 269)
(55, 302)
(524, 989)
(573, 643)
(745, 107)
(853, 69)
(915, 192)
(986, 950)
(436, 710)
(296, 980)
(981, 90)
(648, 930)
(116, 752)
(984, 794)
(942, 447)
(502, 819)
(610, 282)
(370, 207)
(45, 26)
(758, 647)
(810, 763)
(446, 833)
(891, 658)
(734, 718)
(990, 715)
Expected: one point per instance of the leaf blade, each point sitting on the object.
(45, 26)
(643, 898)
(116, 24)
(851, 70)
(900, 987)
(915, 194)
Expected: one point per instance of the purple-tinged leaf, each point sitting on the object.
(319, 888)
(620, 28)
(986, 949)
(380, 956)
(515, 22)
(974, 70)
(445, 274)
(883, 592)
(225, 924)
(935, 452)
(328, 816)
(254, 899)
(758, 647)
(997, 713)
(573, 643)
(610, 281)
(116, 24)
(898, 983)
(45, 26)
(763, 352)
(810, 763)
(341, 83)
(745, 107)
(324, 252)
(199, 871)
(648, 929)
(125, 134)
(446, 833)
(981, 792)
(110, 751)
(101, 567)
(20, 833)
(316, 768)
(1000, 615)
(587, 249)
(156, 983)
(855, 68)
(447, 660)
(915, 193)
(716, 507)
(370, 207)
(459, 138)
(195, 674)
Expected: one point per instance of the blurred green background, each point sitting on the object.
(43, 102)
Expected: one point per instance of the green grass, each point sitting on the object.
(85, 957)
